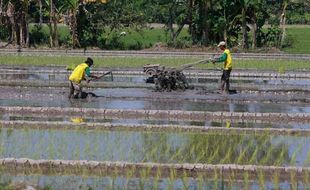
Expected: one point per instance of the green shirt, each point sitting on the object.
(222, 58)
(87, 71)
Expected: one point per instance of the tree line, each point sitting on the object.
(238, 22)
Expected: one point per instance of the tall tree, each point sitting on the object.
(283, 21)
(72, 6)
(10, 12)
(52, 12)
(17, 11)
(244, 7)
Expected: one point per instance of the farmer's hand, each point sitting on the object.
(212, 60)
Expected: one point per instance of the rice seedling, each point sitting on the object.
(293, 180)
(276, 180)
(261, 180)
(246, 181)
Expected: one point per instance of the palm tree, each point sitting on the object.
(244, 8)
(283, 21)
(17, 12)
(72, 6)
(52, 24)
(40, 11)
(255, 7)
(10, 12)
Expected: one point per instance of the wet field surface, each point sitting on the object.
(154, 147)
(141, 183)
(270, 95)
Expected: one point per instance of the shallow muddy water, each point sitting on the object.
(157, 147)
(145, 183)
(130, 121)
(142, 78)
(106, 103)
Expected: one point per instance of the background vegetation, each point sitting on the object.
(123, 24)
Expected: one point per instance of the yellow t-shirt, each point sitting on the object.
(228, 62)
(78, 73)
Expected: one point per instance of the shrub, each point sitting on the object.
(4, 33)
(37, 35)
(272, 36)
(180, 43)
(110, 42)
(288, 41)
(136, 46)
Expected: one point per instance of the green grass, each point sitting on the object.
(301, 40)
(148, 37)
(138, 62)
(134, 39)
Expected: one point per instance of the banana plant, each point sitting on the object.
(52, 13)
(72, 8)
(17, 11)
(244, 7)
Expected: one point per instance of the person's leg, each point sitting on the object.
(222, 85)
(227, 76)
(77, 90)
(71, 92)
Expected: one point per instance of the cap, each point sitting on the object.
(89, 61)
(222, 43)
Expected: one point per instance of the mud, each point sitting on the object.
(159, 114)
(131, 128)
(118, 98)
(79, 124)
(132, 182)
(92, 168)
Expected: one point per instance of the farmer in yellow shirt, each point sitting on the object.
(227, 59)
(81, 72)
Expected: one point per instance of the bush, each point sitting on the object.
(110, 42)
(288, 41)
(180, 43)
(37, 35)
(136, 46)
(65, 40)
(272, 36)
(4, 33)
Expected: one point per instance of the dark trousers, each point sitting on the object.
(225, 80)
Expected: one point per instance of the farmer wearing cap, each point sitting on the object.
(227, 59)
(81, 72)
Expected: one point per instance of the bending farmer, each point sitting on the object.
(227, 59)
(81, 72)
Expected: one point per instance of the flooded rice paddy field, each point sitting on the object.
(156, 147)
(129, 182)
(255, 94)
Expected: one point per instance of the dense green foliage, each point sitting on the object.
(107, 25)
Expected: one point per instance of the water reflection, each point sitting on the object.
(115, 182)
(155, 147)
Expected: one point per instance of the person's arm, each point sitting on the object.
(88, 74)
(221, 59)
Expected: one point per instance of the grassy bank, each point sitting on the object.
(139, 62)
(301, 40)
